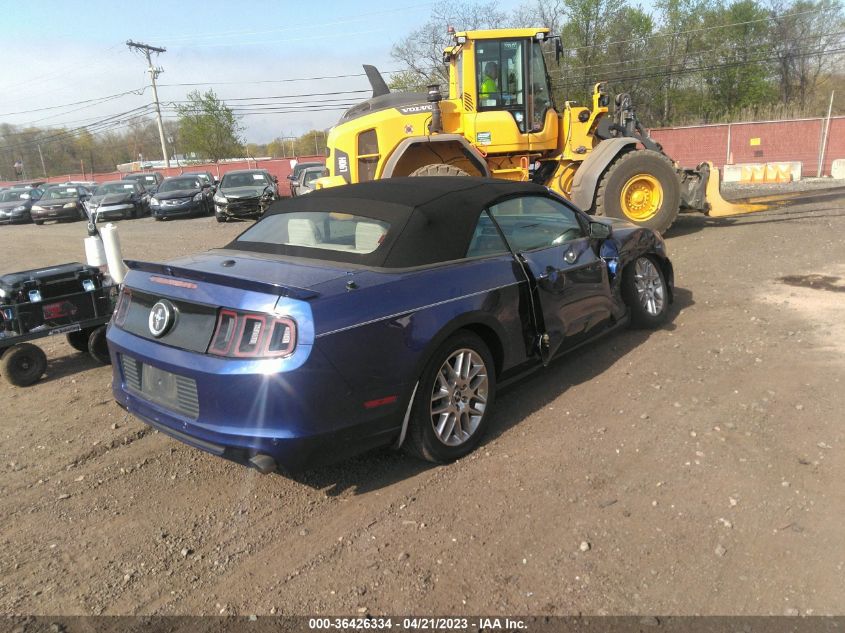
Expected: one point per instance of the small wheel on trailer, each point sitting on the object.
(23, 364)
(97, 346)
(79, 340)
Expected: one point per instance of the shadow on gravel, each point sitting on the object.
(68, 365)
(381, 468)
(689, 223)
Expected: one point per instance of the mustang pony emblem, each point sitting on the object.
(161, 318)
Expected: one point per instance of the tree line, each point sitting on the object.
(684, 62)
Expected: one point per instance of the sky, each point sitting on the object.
(56, 53)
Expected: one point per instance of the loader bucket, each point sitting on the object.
(720, 208)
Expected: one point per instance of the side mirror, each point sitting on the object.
(599, 231)
(290, 177)
(276, 180)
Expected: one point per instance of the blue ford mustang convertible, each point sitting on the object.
(376, 314)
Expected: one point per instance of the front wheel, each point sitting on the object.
(641, 187)
(221, 218)
(645, 292)
(438, 169)
(23, 364)
(454, 400)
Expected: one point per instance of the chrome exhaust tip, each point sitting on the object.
(263, 463)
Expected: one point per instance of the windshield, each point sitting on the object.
(57, 193)
(256, 179)
(176, 184)
(145, 178)
(115, 187)
(11, 196)
(310, 176)
(319, 230)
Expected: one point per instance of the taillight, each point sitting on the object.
(252, 335)
(122, 307)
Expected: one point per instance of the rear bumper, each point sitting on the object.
(302, 418)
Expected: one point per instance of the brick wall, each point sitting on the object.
(796, 140)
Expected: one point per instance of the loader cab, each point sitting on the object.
(505, 78)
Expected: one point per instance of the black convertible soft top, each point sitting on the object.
(432, 219)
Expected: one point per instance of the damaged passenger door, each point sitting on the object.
(569, 281)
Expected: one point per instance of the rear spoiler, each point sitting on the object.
(167, 270)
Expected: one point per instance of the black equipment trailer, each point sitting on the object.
(69, 299)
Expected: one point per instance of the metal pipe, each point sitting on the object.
(825, 135)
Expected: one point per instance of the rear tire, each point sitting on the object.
(221, 218)
(97, 346)
(645, 292)
(640, 186)
(23, 364)
(451, 408)
(79, 340)
(38, 222)
(438, 169)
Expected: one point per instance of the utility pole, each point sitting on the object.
(41, 156)
(825, 134)
(146, 49)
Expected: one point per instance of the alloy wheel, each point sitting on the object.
(649, 285)
(459, 397)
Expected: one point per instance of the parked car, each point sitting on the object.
(305, 183)
(245, 193)
(293, 176)
(206, 176)
(60, 202)
(15, 205)
(90, 185)
(181, 196)
(150, 180)
(119, 199)
(375, 314)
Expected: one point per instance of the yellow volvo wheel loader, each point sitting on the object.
(500, 120)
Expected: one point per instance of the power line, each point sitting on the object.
(696, 30)
(312, 27)
(695, 69)
(695, 53)
(276, 81)
(137, 91)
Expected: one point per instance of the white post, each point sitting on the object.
(825, 135)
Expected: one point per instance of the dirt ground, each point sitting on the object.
(697, 469)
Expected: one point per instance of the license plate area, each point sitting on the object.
(166, 389)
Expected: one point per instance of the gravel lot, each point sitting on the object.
(697, 469)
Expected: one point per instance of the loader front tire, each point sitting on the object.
(438, 169)
(642, 187)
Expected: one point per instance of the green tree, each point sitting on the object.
(208, 127)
